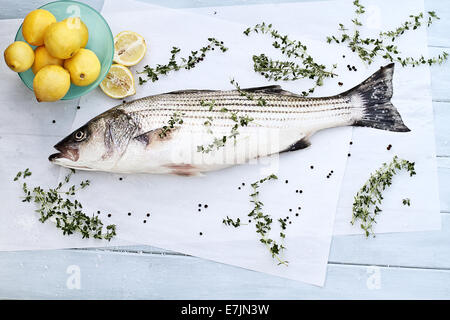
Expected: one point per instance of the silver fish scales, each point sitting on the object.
(128, 138)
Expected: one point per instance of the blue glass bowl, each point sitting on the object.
(101, 41)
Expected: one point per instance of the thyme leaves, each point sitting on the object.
(239, 120)
(219, 142)
(175, 64)
(175, 118)
(369, 48)
(57, 204)
(263, 222)
(368, 199)
(260, 100)
(287, 70)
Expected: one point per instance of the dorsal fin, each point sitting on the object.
(266, 89)
(188, 91)
(269, 89)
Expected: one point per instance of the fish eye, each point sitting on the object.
(80, 135)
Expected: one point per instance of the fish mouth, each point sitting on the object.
(65, 152)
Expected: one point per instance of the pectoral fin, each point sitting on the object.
(156, 135)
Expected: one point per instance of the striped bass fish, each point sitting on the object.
(170, 133)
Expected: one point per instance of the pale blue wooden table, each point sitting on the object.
(403, 266)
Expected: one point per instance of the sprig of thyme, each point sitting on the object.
(369, 48)
(287, 70)
(230, 222)
(263, 222)
(25, 173)
(57, 204)
(175, 118)
(219, 142)
(369, 197)
(260, 100)
(183, 63)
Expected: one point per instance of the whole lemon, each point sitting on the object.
(42, 58)
(35, 25)
(82, 28)
(63, 39)
(84, 67)
(19, 56)
(51, 83)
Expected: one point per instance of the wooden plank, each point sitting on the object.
(444, 183)
(441, 128)
(44, 274)
(428, 249)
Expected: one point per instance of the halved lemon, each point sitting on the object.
(119, 82)
(129, 48)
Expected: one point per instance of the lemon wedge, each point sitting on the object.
(119, 82)
(129, 48)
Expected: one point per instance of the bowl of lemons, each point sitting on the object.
(62, 50)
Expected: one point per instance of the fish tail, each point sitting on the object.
(372, 105)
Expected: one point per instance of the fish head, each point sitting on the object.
(84, 148)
